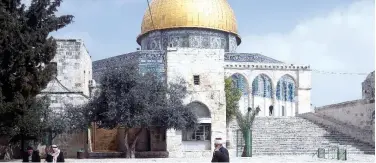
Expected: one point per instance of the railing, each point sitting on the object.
(240, 143)
(334, 152)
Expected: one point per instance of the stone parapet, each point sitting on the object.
(357, 113)
(365, 136)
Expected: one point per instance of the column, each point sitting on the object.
(274, 103)
(174, 143)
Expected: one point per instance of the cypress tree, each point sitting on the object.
(26, 51)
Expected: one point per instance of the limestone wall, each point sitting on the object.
(208, 64)
(74, 70)
(366, 136)
(355, 117)
(359, 113)
(368, 87)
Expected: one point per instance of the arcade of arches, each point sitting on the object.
(275, 98)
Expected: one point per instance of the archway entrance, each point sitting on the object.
(199, 139)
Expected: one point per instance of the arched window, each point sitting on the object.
(286, 89)
(240, 82)
(284, 92)
(255, 87)
(262, 86)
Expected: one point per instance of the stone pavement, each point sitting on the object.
(256, 159)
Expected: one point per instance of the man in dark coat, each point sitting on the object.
(220, 153)
(30, 155)
(54, 154)
(270, 110)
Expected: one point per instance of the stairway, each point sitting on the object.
(298, 136)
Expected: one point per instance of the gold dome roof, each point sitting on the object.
(168, 14)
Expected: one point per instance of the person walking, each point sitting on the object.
(270, 110)
(220, 153)
(30, 155)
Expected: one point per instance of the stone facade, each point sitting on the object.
(358, 113)
(74, 73)
(185, 63)
(368, 86)
(70, 87)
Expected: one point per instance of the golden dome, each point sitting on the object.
(168, 14)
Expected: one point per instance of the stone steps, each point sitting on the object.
(310, 145)
(258, 153)
(300, 140)
(109, 154)
(298, 136)
(306, 148)
(294, 135)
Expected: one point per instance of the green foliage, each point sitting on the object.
(134, 100)
(79, 118)
(25, 62)
(245, 123)
(233, 96)
(31, 123)
(41, 120)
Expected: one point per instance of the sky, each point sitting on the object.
(328, 35)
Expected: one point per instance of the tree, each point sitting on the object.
(233, 96)
(138, 101)
(245, 123)
(60, 121)
(25, 60)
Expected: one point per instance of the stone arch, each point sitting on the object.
(201, 110)
(286, 88)
(262, 86)
(240, 82)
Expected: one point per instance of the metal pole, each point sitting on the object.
(237, 143)
(247, 142)
(250, 142)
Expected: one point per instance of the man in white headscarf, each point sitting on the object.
(55, 155)
(220, 153)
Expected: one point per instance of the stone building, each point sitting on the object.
(368, 87)
(70, 87)
(196, 40)
(74, 73)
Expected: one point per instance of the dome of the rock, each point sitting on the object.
(172, 14)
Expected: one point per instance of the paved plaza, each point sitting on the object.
(256, 159)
